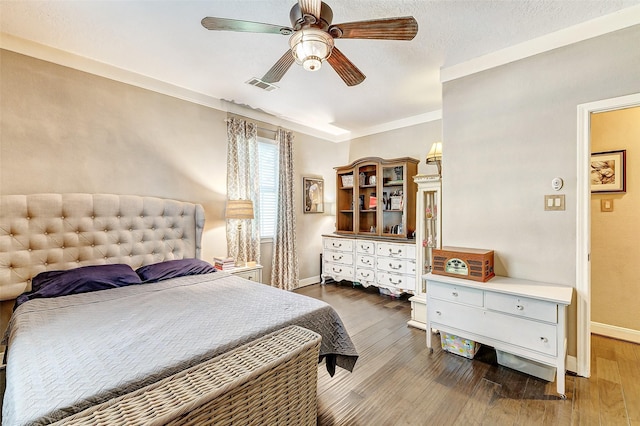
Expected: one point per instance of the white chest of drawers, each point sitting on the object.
(370, 262)
(525, 318)
(338, 257)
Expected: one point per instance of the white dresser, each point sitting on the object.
(370, 262)
(524, 318)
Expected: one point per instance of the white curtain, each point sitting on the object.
(284, 266)
(243, 236)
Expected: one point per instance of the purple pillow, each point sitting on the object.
(79, 280)
(173, 269)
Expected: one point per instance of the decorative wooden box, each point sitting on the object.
(469, 263)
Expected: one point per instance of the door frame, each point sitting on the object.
(583, 223)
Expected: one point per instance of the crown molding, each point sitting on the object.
(397, 124)
(596, 27)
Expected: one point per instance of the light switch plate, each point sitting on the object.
(554, 202)
(606, 205)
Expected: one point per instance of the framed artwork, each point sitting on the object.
(608, 171)
(313, 190)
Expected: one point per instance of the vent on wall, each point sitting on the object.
(262, 84)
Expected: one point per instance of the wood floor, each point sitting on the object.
(397, 382)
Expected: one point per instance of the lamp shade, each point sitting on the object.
(310, 47)
(239, 209)
(435, 153)
(435, 156)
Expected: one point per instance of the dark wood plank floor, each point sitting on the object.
(398, 382)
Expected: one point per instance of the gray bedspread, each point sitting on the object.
(68, 353)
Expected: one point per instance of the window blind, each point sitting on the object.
(268, 165)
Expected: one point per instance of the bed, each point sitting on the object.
(89, 355)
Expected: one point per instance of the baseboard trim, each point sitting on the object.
(615, 332)
(308, 281)
(572, 364)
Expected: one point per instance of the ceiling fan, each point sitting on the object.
(312, 38)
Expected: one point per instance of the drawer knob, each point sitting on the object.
(454, 294)
(395, 253)
(336, 245)
(365, 275)
(337, 257)
(337, 270)
(391, 265)
(438, 313)
(366, 261)
(519, 307)
(396, 283)
(544, 339)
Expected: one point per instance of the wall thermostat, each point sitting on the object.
(557, 183)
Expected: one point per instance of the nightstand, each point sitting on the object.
(253, 273)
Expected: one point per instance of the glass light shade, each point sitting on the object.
(310, 47)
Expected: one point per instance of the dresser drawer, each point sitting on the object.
(344, 258)
(390, 264)
(522, 306)
(338, 271)
(411, 267)
(404, 251)
(404, 282)
(530, 334)
(253, 275)
(526, 333)
(338, 244)
(365, 276)
(365, 247)
(365, 261)
(458, 294)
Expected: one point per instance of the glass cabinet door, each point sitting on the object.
(430, 237)
(428, 218)
(393, 199)
(368, 199)
(344, 199)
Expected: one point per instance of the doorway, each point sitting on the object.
(583, 220)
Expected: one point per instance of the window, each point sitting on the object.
(268, 169)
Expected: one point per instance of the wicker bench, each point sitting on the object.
(272, 380)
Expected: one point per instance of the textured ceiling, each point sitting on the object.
(165, 41)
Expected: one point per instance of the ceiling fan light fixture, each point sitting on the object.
(311, 46)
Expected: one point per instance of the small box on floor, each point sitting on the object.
(527, 366)
(459, 346)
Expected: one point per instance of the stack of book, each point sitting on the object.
(224, 263)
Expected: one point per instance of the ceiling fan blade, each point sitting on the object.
(279, 68)
(348, 72)
(403, 28)
(224, 24)
(310, 7)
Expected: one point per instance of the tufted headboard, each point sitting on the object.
(42, 232)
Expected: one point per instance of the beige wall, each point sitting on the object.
(63, 130)
(413, 141)
(615, 287)
(315, 157)
(507, 132)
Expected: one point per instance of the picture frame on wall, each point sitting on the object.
(313, 190)
(608, 171)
